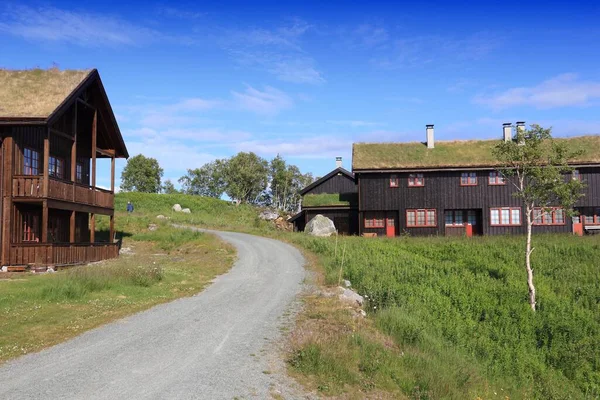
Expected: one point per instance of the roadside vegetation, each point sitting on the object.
(157, 266)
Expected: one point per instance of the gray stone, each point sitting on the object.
(320, 226)
(152, 227)
(4, 269)
(268, 215)
(161, 217)
(177, 208)
(347, 283)
(186, 211)
(350, 296)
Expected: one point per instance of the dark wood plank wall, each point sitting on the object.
(442, 191)
(336, 184)
(346, 221)
(27, 136)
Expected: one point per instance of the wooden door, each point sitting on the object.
(390, 227)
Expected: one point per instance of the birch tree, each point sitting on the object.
(538, 168)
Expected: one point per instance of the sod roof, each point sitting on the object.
(469, 153)
(36, 93)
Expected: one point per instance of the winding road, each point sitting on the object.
(209, 346)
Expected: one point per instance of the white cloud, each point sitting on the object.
(268, 102)
(82, 28)
(561, 91)
(308, 147)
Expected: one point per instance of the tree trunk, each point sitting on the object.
(528, 261)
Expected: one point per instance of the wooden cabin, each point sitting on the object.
(454, 188)
(333, 196)
(54, 125)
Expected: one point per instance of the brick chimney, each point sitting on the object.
(430, 137)
(507, 131)
(338, 162)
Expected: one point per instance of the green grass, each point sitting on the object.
(458, 309)
(324, 199)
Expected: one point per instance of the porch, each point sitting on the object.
(61, 254)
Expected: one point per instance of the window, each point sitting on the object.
(417, 218)
(416, 180)
(505, 216)
(31, 227)
(460, 217)
(56, 167)
(496, 178)
(31, 162)
(548, 216)
(58, 229)
(79, 172)
(575, 175)
(394, 181)
(468, 179)
(592, 217)
(374, 223)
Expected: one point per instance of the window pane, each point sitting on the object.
(495, 217)
(431, 217)
(421, 218)
(463, 179)
(410, 218)
(559, 216)
(505, 216)
(516, 216)
(458, 217)
(472, 217)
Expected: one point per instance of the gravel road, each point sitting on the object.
(215, 345)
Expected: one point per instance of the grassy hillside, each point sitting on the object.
(448, 317)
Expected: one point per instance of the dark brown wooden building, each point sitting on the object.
(333, 196)
(53, 126)
(447, 188)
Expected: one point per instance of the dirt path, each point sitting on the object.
(215, 345)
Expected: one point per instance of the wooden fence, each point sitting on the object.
(61, 253)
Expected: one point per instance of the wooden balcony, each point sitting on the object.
(31, 186)
(51, 254)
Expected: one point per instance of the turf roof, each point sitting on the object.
(325, 199)
(36, 93)
(469, 153)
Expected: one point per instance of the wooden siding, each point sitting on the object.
(61, 253)
(339, 183)
(442, 191)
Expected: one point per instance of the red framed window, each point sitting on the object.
(31, 162)
(496, 178)
(31, 227)
(416, 180)
(591, 218)
(56, 167)
(468, 179)
(79, 172)
(548, 216)
(575, 175)
(421, 218)
(374, 223)
(505, 216)
(394, 181)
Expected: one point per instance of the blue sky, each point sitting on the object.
(194, 82)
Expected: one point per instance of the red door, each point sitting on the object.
(390, 227)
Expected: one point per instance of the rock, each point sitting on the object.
(152, 227)
(161, 217)
(350, 296)
(268, 215)
(4, 269)
(126, 250)
(186, 211)
(347, 283)
(50, 270)
(177, 208)
(360, 313)
(320, 226)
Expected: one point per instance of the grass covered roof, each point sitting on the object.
(36, 93)
(325, 199)
(468, 153)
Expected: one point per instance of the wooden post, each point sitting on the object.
(112, 174)
(45, 221)
(72, 228)
(74, 152)
(112, 229)
(94, 136)
(92, 228)
(7, 176)
(46, 162)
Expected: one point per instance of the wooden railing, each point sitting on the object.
(32, 186)
(61, 253)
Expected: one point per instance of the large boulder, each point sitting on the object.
(177, 208)
(320, 226)
(268, 215)
(186, 211)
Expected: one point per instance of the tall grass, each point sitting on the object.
(469, 297)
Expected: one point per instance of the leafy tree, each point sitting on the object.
(169, 188)
(208, 180)
(245, 176)
(538, 165)
(141, 174)
(286, 182)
